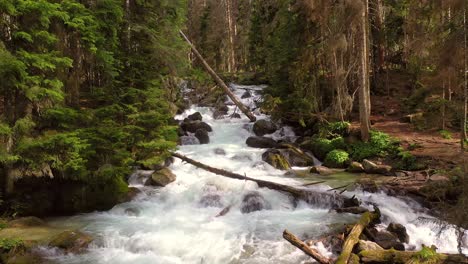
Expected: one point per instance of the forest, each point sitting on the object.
(233, 131)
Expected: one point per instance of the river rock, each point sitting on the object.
(261, 142)
(400, 231)
(193, 126)
(263, 127)
(351, 202)
(386, 239)
(23, 222)
(181, 132)
(245, 95)
(253, 201)
(162, 177)
(202, 136)
(372, 168)
(71, 241)
(322, 170)
(189, 140)
(219, 151)
(368, 245)
(355, 167)
(236, 115)
(276, 159)
(295, 159)
(210, 197)
(132, 212)
(220, 111)
(195, 116)
(131, 194)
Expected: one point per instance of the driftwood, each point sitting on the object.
(295, 241)
(353, 237)
(402, 257)
(219, 81)
(330, 200)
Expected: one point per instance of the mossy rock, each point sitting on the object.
(337, 159)
(162, 177)
(276, 159)
(71, 241)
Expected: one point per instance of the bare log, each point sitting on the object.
(353, 237)
(402, 257)
(321, 199)
(219, 81)
(295, 241)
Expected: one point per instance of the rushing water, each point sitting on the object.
(174, 225)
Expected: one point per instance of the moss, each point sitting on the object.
(10, 244)
(378, 145)
(408, 162)
(334, 129)
(279, 162)
(337, 159)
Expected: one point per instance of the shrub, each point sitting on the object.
(334, 129)
(337, 159)
(445, 134)
(408, 162)
(321, 147)
(378, 145)
(9, 244)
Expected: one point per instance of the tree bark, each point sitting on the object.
(465, 86)
(403, 257)
(218, 80)
(353, 237)
(295, 241)
(364, 93)
(334, 200)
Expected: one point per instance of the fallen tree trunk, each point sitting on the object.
(353, 237)
(219, 81)
(295, 241)
(316, 198)
(402, 257)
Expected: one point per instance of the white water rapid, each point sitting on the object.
(171, 225)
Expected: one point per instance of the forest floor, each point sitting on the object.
(428, 144)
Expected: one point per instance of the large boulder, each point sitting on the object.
(162, 177)
(193, 126)
(211, 197)
(386, 240)
(373, 168)
(400, 231)
(195, 117)
(296, 159)
(261, 142)
(276, 159)
(263, 127)
(71, 241)
(220, 111)
(202, 136)
(253, 201)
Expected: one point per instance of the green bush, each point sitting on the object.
(334, 129)
(378, 145)
(337, 159)
(338, 143)
(321, 147)
(445, 134)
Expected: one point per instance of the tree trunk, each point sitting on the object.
(465, 86)
(220, 82)
(364, 93)
(295, 241)
(309, 196)
(353, 237)
(403, 257)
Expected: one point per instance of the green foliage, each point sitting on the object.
(407, 161)
(378, 145)
(427, 255)
(445, 134)
(10, 244)
(337, 159)
(334, 129)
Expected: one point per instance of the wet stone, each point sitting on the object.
(254, 201)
